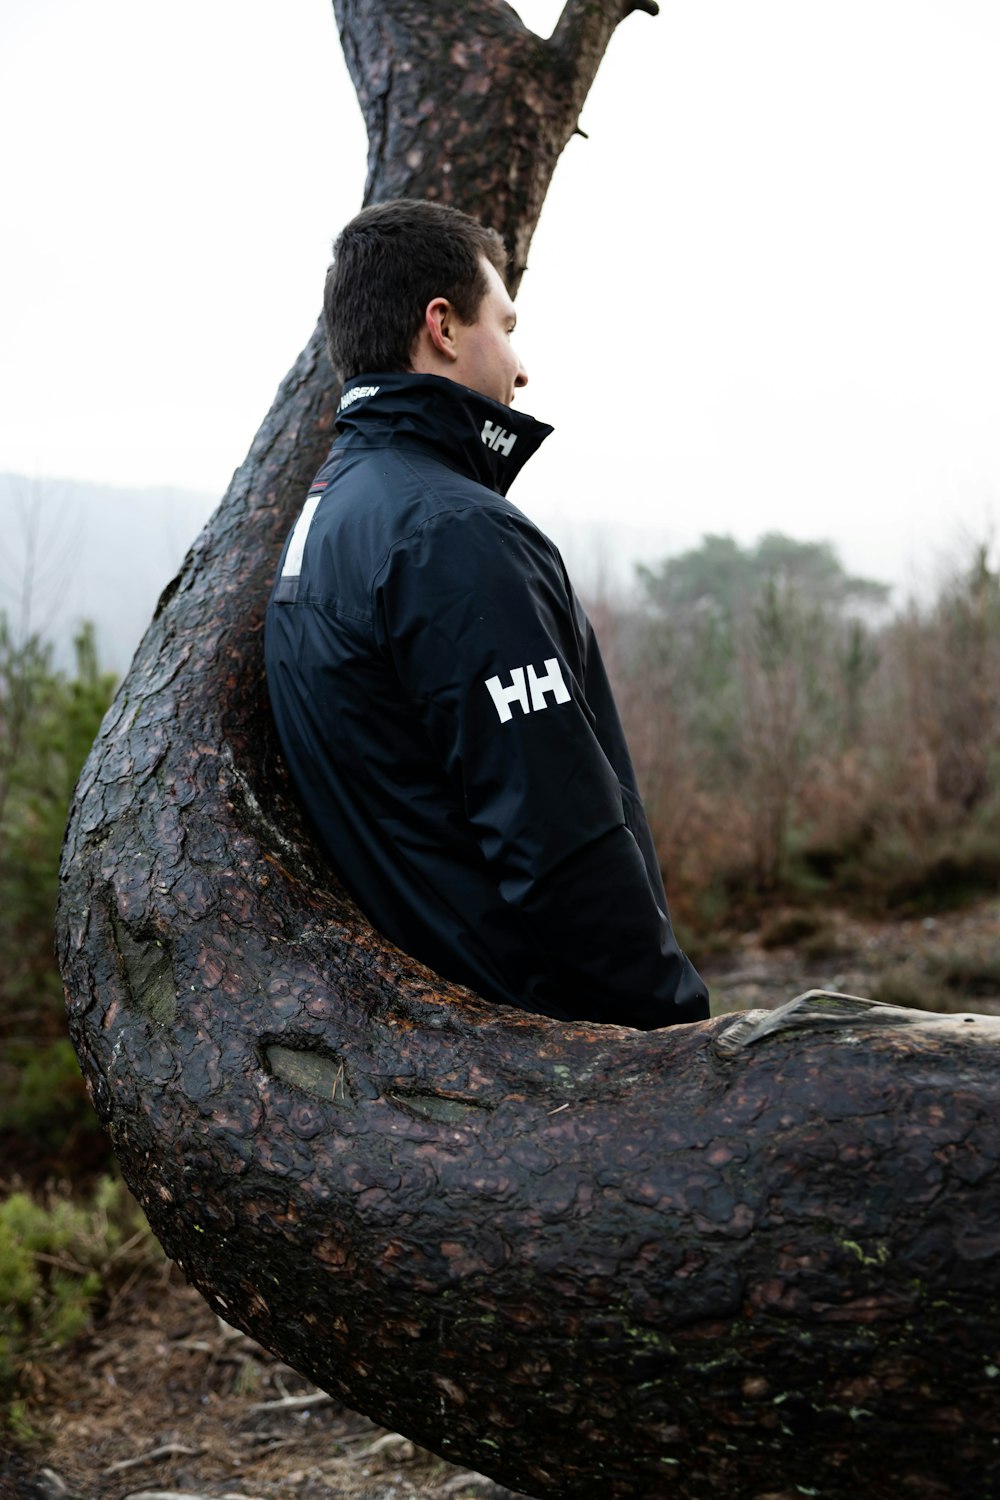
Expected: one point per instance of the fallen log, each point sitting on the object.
(758, 1256)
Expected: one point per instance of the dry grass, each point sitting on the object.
(789, 755)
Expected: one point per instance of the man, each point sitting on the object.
(436, 685)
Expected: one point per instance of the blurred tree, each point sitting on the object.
(858, 659)
(965, 731)
(721, 576)
(767, 658)
(47, 725)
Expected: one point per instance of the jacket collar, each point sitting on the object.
(483, 438)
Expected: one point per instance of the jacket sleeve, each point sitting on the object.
(491, 647)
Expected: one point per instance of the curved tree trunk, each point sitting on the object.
(752, 1257)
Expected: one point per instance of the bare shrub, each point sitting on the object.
(788, 744)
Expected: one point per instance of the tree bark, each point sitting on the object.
(465, 105)
(758, 1256)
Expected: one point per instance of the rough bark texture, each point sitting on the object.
(756, 1257)
(465, 105)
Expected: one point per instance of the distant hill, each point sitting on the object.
(73, 551)
(99, 553)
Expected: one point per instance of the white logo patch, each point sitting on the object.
(349, 397)
(297, 546)
(521, 687)
(498, 438)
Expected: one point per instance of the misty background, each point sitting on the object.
(762, 295)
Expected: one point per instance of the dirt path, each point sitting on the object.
(166, 1400)
(163, 1400)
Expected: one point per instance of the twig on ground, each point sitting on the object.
(361, 1436)
(122, 1292)
(204, 1346)
(356, 1437)
(129, 1245)
(292, 1403)
(61, 1263)
(227, 1332)
(387, 1440)
(187, 1495)
(166, 1450)
(275, 1444)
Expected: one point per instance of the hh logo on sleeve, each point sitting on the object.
(525, 683)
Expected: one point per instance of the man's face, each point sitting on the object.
(486, 359)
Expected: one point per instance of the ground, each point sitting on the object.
(166, 1400)
(949, 961)
(163, 1401)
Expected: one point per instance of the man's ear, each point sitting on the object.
(439, 321)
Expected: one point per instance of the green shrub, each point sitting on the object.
(59, 1258)
(49, 1096)
(48, 722)
(791, 928)
(908, 985)
(943, 979)
(971, 972)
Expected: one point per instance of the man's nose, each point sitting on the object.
(521, 378)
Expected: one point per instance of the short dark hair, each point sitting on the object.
(389, 262)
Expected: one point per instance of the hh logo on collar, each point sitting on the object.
(519, 689)
(498, 438)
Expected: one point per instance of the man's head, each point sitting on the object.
(418, 286)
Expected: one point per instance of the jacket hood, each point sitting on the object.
(483, 438)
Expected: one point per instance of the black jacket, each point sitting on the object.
(446, 717)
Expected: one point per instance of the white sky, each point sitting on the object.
(764, 294)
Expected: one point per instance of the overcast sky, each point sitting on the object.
(763, 295)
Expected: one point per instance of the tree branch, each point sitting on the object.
(585, 25)
(581, 38)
